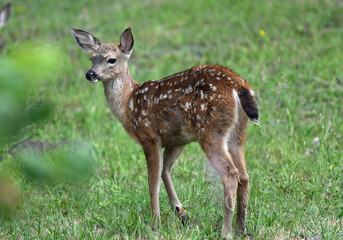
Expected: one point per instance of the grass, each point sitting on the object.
(295, 70)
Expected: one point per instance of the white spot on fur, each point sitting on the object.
(187, 106)
(189, 89)
(201, 94)
(203, 107)
(131, 104)
(144, 112)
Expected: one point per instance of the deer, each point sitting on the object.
(210, 104)
(4, 16)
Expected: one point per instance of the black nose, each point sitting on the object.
(91, 75)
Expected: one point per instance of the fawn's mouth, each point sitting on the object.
(94, 80)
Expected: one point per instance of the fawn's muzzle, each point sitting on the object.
(92, 76)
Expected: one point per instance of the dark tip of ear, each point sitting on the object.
(74, 30)
(8, 5)
(128, 30)
(77, 30)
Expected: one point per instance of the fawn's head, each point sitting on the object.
(109, 59)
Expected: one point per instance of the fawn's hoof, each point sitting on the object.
(227, 237)
(240, 229)
(182, 213)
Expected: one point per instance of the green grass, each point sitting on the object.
(295, 70)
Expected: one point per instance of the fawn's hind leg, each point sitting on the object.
(221, 160)
(170, 155)
(243, 188)
(235, 144)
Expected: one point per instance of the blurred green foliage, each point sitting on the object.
(22, 72)
(64, 164)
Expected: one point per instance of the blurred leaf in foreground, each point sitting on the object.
(64, 164)
(21, 73)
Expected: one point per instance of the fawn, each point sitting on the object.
(4, 16)
(210, 104)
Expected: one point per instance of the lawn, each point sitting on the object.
(289, 51)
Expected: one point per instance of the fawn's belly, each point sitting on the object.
(175, 129)
(178, 138)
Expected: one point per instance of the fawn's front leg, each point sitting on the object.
(153, 155)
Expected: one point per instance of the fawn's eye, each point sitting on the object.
(111, 61)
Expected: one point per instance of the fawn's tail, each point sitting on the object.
(248, 104)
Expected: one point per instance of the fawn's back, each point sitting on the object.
(181, 108)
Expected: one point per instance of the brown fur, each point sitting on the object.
(210, 104)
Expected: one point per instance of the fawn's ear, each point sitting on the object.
(86, 40)
(126, 41)
(5, 14)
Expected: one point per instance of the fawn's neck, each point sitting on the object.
(117, 92)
